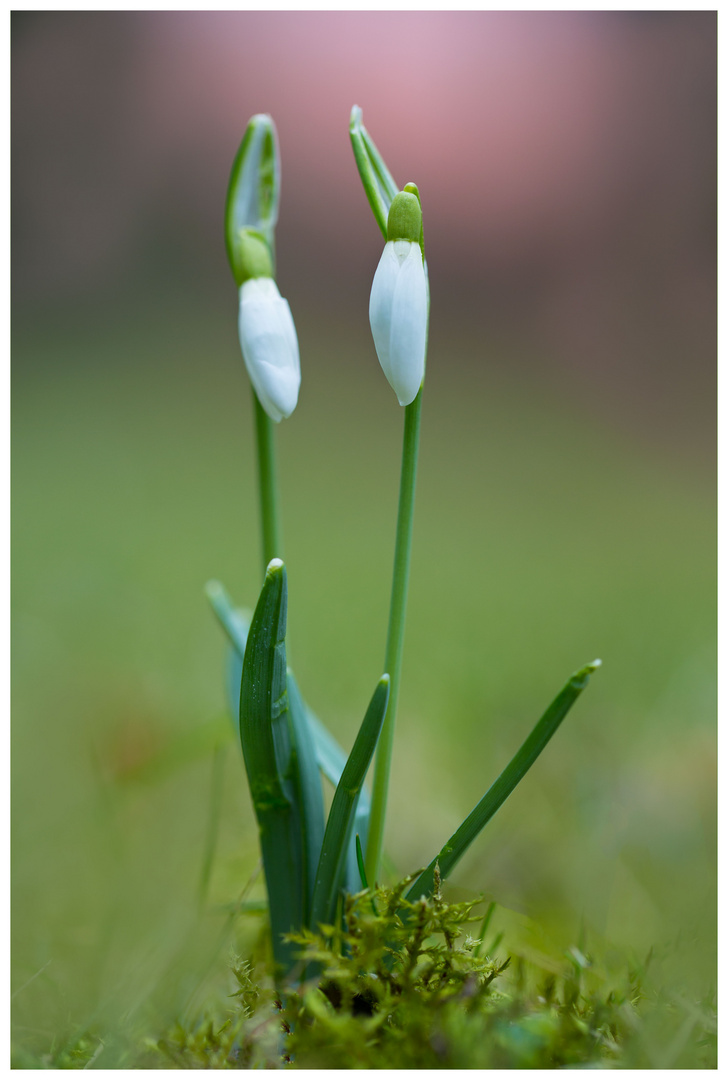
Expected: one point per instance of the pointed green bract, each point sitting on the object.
(266, 748)
(254, 189)
(496, 795)
(379, 185)
(340, 824)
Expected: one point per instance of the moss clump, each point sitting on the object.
(403, 985)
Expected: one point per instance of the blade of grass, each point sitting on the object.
(341, 816)
(511, 776)
(263, 705)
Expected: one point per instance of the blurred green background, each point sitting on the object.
(565, 506)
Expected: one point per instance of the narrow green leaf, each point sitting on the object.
(332, 759)
(341, 816)
(263, 724)
(236, 623)
(496, 795)
(379, 185)
(307, 784)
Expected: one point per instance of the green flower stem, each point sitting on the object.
(395, 634)
(267, 485)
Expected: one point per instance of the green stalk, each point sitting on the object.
(395, 633)
(267, 485)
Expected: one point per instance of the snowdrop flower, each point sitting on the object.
(398, 303)
(267, 334)
(265, 325)
(270, 346)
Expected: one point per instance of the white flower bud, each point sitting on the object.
(270, 346)
(398, 317)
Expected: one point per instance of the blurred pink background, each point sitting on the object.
(566, 160)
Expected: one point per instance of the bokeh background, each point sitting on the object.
(565, 509)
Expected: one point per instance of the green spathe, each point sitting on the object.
(254, 190)
(404, 221)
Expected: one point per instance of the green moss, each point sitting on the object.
(404, 985)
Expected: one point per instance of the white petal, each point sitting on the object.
(380, 303)
(398, 317)
(409, 328)
(270, 346)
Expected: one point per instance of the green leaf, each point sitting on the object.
(235, 622)
(307, 783)
(379, 185)
(266, 749)
(341, 816)
(233, 682)
(332, 759)
(496, 795)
